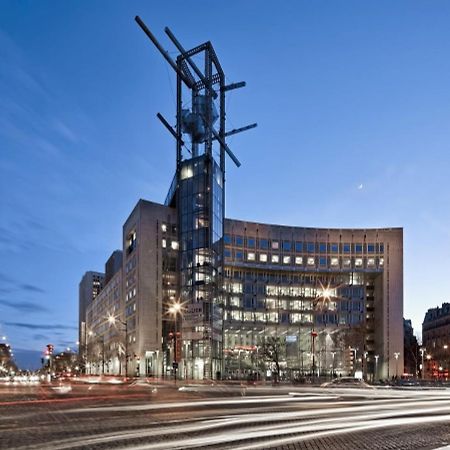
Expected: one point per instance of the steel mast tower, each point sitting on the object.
(198, 193)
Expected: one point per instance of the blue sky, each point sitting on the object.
(353, 105)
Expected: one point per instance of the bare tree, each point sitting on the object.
(273, 351)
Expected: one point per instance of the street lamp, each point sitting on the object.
(112, 320)
(376, 365)
(174, 309)
(396, 355)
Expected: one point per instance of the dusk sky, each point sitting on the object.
(352, 101)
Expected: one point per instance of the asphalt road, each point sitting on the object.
(164, 416)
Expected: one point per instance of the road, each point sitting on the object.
(141, 415)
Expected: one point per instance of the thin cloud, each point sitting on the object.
(32, 326)
(22, 306)
(31, 288)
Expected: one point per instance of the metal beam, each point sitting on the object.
(226, 148)
(163, 52)
(232, 86)
(184, 54)
(240, 130)
(169, 127)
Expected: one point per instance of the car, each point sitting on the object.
(347, 382)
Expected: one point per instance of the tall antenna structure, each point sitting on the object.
(198, 193)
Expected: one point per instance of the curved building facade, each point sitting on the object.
(332, 300)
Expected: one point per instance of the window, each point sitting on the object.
(347, 262)
(251, 242)
(346, 248)
(275, 245)
(371, 262)
(334, 262)
(322, 247)
(358, 248)
(381, 248)
(239, 256)
(299, 247)
(164, 243)
(275, 259)
(358, 262)
(323, 261)
(334, 248)
(186, 172)
(310, 247)
(250, 256)
(239, 241)
(286, 259)
(227, 253)
(163, 227)
(287, 245)
(370, 248)
(174, 245)
(311, 261)
(381, 262)
(263, 257)
(298, 260)
(227, 239)
(264, 244)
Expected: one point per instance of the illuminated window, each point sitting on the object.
(186, 172)
(311, 261)
(334, 262)
(275, 245)
(263, 257)
(358, 262)
(371, 262)
(286, 259)
(163, 227)
(164, 243)
(347, 262)
(250, 256)
(174, 245)
(381, 261)
(299, 260)
(275, 259)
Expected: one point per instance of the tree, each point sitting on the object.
(273, 351)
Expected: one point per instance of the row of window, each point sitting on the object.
(173, 244)
(294, 318)
(312, 261)
(299, 247)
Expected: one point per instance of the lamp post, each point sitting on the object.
(422, 353)
(112, 320)
(313, 351)
(174, 309)
(333, 354)
(396, 355)
(376, 366)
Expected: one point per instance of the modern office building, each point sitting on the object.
(210, 297)
(90, 286)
